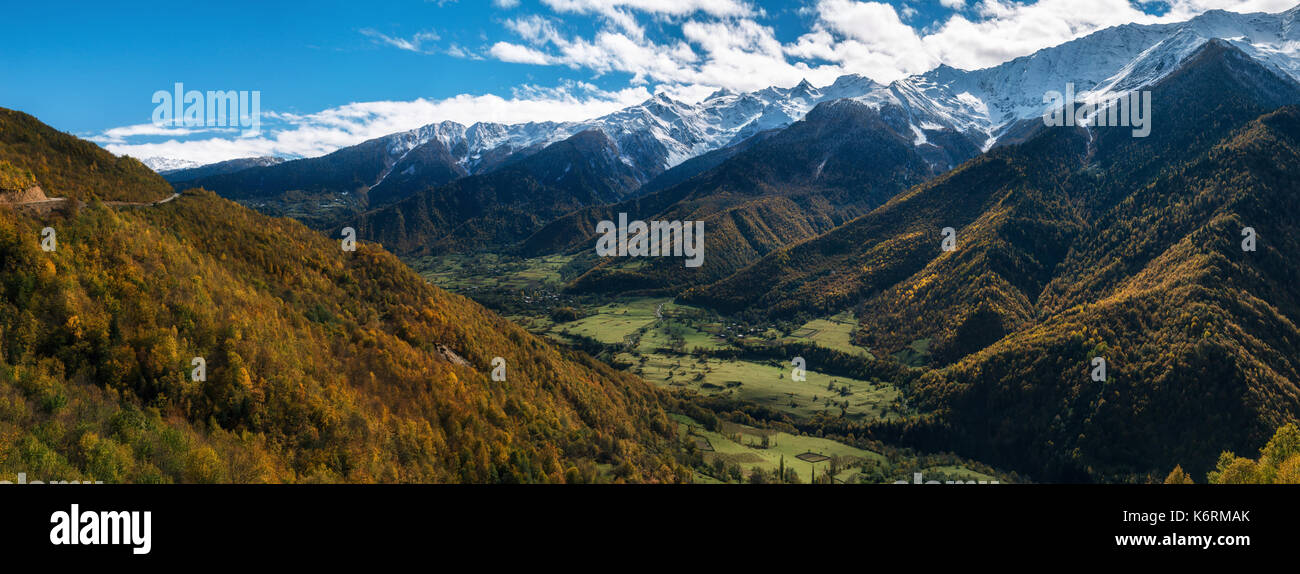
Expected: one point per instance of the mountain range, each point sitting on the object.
(179, 174)
(661, 132)
(946, 115)
(648, 138)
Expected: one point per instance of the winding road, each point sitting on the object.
(141, 203)
(57, 201)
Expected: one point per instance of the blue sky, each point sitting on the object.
(334, 73)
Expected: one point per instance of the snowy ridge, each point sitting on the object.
(660, 133)
(1102, 66)
(651, 137)
(161, 164)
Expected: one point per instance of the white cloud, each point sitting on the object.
(458, 51)
(514, 53)
(743, 55)
(738, 53)
(506, 4)
(730, 48)
(121, 134)
(718, 8)
(1184, 9)
(535, 29)
(1008, 30)
(869, 37)
(417, 43)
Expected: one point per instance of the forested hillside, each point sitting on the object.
(1199, 339)
(65, 166)
(321, 364)
(1075, 245)
(843, 160)
(502, 207)
(1278, 463)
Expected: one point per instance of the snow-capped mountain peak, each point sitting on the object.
(652, 136)
(1101, 66)
(162, 164)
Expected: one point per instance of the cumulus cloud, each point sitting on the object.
(869, 37)
(1184, 9)
(745, 55)
(738, 53)
(727, 44)
(514, 53)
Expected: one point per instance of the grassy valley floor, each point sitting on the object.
(695, 353)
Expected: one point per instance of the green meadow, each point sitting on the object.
(833, 333)
(468, 274)
(614, 322)
(658, 337)
(770, 385)
(747, 448)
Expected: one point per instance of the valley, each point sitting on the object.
(701, 357)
